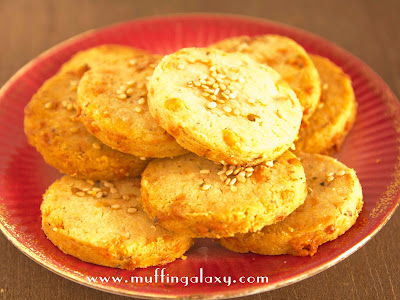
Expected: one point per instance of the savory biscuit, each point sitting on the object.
(335, 115)
(224, 106)
(50, 123)
(196, 197)
(288, 58)
(331, 208)
(104, 223)
(113, 103)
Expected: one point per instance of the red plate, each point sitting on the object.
(372, 149)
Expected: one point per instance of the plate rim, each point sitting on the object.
(245, 291)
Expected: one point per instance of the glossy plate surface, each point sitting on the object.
(372, 149)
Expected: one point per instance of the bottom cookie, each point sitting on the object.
(330, 209)
(104, 223)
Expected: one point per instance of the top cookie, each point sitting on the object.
(113, 103)
(285, 56)
(224, 106)
(335, 115)
(50, 123)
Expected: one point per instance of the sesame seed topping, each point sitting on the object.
(205, 171)
(223, 177)
(233, 188)
(113, 191)
(212, 105)
(115, 206)
(132, 210)
(70, 106)
(329, 178)
(206, 187)
(250, 169)
(252, 101)
(80, 194)
(227, 109)
(129, 91)
(55, 229)
(108, 184)
(90, 181)
(132, 62)
(181, 67)
(74, 129)
(221, 172)
(269, 163)
(227, 181)
(236, 112)
(99, 195)
(138, 109)
(125, 197)
(341, 173)
(229, 172)
(141, 101)
(233, 181)
(142, 158)
(48, 105)
(204, 94)
(130, 82)
(96, 146)
(197, 83)
(330, 174)
(241, 178)
(241, 79)
(122, 96)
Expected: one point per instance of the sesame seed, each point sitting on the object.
(116, 196)
(232, 95)
(90, 181)
(138, 109)
(130, 82)
(225, 167)
(290, 229)
(229, 172)
(108, 184)
(74, 129)
(113, 191)
(242, 173)
(122, 96)
(227, 181)
(70, 106)
(115, 206)
(341, 173)
(204, 94)
(206, 187)
(64, 103)
(125, 197)
(269, 163)
(213, 97)
(80, 194)
(142, 158)
(236, 112)
(227, 91)
(222, 87)
(310, 190)
(233, 188)
(236, 171)
(252, 101)
(141, 101)
(85, 189)
(181, 67)
(132, 210)
(241, 79)
(330, 174)
(223, 177)
(233, 181)
(205, 171)
(216, 91)
(241, 178)
(212, 105)
(250, 169)
(129, 91)
(99, 195)
(249, 174)
(96, 146)
(215, 85)
(48, 105)
(325, 86)
(203, 77)
(225, 96)
(227, 109)
(55, 229)
(132, 62)
(221, 172)
(74, 82)
(232, 167)
(329, 178)
(213, 68)
(197, 83)
(220, 101)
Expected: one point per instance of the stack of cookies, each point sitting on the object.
(227, 142)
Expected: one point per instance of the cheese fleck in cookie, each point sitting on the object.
(331, 208)
(285, 56)
(51, 127)
(113, 103)
(335, 115)
(196, 197)
(224, 106)
(104, 223)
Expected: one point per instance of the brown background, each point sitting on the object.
(368, 29)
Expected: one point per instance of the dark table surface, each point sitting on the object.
(368, 29)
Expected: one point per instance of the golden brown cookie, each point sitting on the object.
(196, 197)
(331, 208)
(51, 127)
(335, 115)
(113, 103)
(104, 223)
(224, 106)
(285, 56)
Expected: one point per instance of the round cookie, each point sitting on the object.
(285, 56)
(109, 230)
(198, 198)
(51, 127)
(224, 106)
(113, 103)
(331, 208)
(335, 115)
